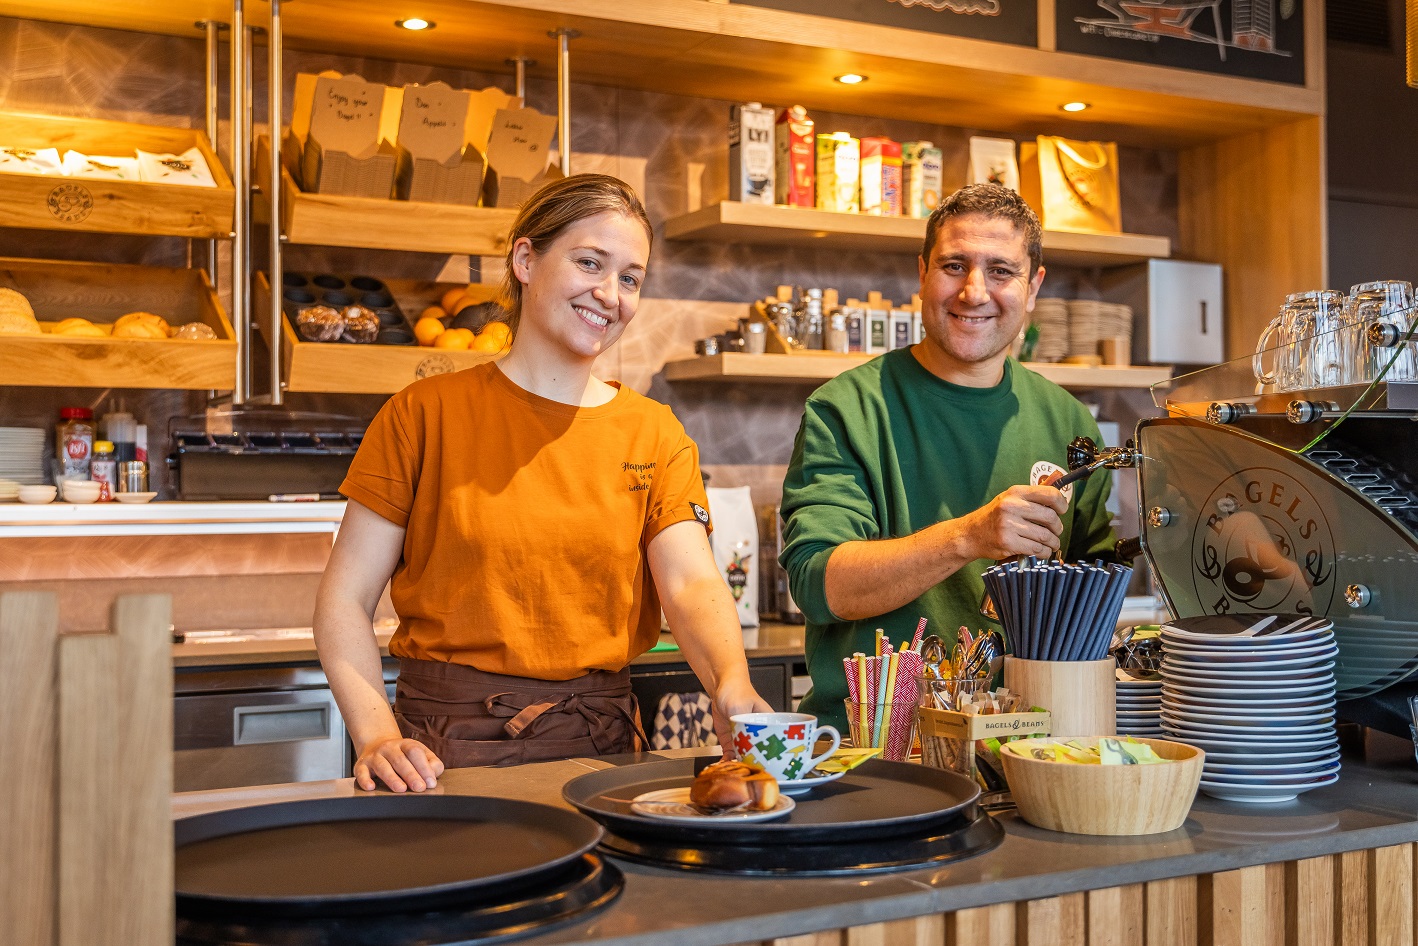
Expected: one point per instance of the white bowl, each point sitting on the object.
(134, 497)
(81, 491)
(38, 494)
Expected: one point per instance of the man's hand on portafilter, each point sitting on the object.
(401, 764)
(1022, 520)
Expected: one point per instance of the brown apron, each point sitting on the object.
(468, 717)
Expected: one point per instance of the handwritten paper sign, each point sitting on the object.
(520, 142)
(345, 115)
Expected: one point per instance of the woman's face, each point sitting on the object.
(584, 290)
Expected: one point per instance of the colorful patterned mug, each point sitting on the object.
(781, 742)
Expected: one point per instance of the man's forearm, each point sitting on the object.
(868, 578)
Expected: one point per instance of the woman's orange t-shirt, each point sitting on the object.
(526, 521)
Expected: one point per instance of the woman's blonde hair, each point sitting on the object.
(556, 207)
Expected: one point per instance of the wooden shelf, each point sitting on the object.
(76, 203)
(366, 223)
(732, 52)
(811, 367)
(337, 368)
(733, 222)
(101, 292)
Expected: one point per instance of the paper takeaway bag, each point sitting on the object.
(435, 161)
(346, 147)
(517, 153)
(1073, 184)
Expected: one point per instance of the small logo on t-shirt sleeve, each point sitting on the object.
(700, 513)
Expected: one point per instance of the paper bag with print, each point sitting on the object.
(1073, 184)
(992, 161)
(735, 545)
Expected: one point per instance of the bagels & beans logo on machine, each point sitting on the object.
(1262, 544)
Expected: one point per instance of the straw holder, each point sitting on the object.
(1079, 694)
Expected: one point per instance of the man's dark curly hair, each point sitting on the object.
(989, 200)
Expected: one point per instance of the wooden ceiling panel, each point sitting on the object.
(740, 53)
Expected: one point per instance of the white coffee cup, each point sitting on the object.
(781, 742)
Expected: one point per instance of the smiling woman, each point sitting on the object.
(531, 522)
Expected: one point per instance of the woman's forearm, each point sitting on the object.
(349, 652)
(705, 625)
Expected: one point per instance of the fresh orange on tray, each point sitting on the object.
(455, 338)
(433, 312)
(451, 297)
(428, 329)
(498, 330)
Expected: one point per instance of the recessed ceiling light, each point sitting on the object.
(851, 78)
(415, 23)
(1074, 106)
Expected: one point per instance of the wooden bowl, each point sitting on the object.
(1106, 799)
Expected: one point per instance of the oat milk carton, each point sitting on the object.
(881, 177)
(838, 172)
(796, 168)
(751, 156)
(921, 177)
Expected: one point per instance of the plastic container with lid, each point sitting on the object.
(120, 429)
(74, 442)
(104, 470)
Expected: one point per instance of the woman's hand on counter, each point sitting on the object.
(401, 764)
(732, 698)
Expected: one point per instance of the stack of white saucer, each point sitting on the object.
(1256, 692)
(1051, 315)
(1139, 705)
(22, 455)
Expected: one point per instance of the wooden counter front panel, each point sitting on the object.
(1359, 898)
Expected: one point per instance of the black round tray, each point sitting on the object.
(953, 841)
(568, 894)
(877, 799)
(370, 854)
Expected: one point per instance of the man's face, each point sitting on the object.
(976, 290)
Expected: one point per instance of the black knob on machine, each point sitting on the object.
(1127, 549)
(1082, 451)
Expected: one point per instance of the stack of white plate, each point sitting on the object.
(1256, 693)
(1051, 315)
(1139, 706)
(22, 455)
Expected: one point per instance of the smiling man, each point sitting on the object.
(912, 473)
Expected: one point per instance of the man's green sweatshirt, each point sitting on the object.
(886, 450)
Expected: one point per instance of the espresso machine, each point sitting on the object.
(1302, 500)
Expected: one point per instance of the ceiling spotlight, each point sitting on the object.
(415, 23)
(1074, 106)
(851, 78)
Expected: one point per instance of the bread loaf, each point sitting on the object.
(731, 784)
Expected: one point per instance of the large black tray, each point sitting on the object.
(955, 840)
(370, 854)
(875, 800)
(570, 893)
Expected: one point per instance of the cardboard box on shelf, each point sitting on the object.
(517, 156)
(344, 128)
(921, 178)
(436, 163)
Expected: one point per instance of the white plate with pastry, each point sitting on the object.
(672, 804)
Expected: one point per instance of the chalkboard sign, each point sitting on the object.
(1003, 21)
(1256, 39)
